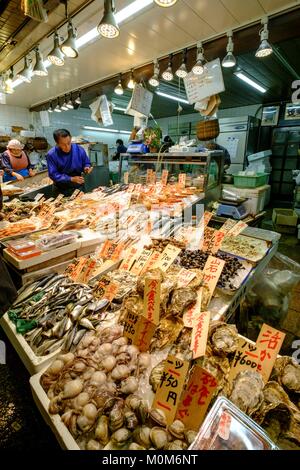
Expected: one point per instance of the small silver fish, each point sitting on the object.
(86, 324)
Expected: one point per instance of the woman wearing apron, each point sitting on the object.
(15, 162)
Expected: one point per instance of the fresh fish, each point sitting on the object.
(79, 335)
(86, 324)
(70, 338)
(76, 312)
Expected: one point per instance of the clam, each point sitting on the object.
(141, 435)
(159, 437)
(116, 418)
(177, 429)
(93, 445)
(130, 419)
(190, 436)
(132, 402)
(158, 417)
(135, 446)
(129, 385)
(101, 430)
(176, 445)
(120, 437)
(247, 391)
(142, 411)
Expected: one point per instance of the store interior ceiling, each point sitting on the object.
(152, 33)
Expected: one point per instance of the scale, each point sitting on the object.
(232, 208)
(137, 147)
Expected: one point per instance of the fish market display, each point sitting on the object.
(249, 248)
(96, 392)
(17, 210)
(54, 313)
(18, 228)
(161, 243)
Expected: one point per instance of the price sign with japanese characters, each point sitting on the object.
(208, 241)
(224, 426)
(152, 300)
(164, 177)
(141, 261)
(200, 334)
(75, 194)
(144, 333)
(211, 273)
(246, 357)
(185, 277)
(149, 176)
(76, 269)
(101, 287)
(181, 180)
(196, 398)
(104, 250)
(228, 225)
(170, 388)
(111, 291)
(193, 312)
(129, 259)
(126, 177)
(269, 342)
(237, 229)
(218, 238)
(130, 326)
(205, 218)
(167, 257)
(151, 261)
(117, 252)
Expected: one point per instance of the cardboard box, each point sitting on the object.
(285, 217)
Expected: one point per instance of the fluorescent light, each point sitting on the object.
(171, 97)
(250, 82)
(104, 129)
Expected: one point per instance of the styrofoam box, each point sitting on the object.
(258, 198)
(32, 362)
(61, 432)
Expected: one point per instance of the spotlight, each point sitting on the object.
(182, 72)
(131, 83)
(200, 67)
(39, 68)
(119, 89)
(229, 60)
(69, 47)
(56, 57)
(154, 80)
(25, 74)
(78, 99)
(168, 73)
(108, 26)
(265, 47)
(165, 3)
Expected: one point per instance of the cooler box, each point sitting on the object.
(258, 198)
(285, 220)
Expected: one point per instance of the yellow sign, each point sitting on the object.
(152, 300)
(167, 257)
(200, 334)
(211, 273)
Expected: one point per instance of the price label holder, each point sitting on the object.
(246, 357)
(185, 277)
(151, 261)
(196, 398)
(170, 388)
(228, 225)
(218, 239)
(129, 259)
(209, 239)
(237, 229)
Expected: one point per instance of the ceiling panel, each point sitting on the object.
(251, 9)
(214, 13)
(273, 5)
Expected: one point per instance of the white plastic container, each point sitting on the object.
(258, 198)
(32, 362)
(62, 434)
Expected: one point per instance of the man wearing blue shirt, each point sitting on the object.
(67, 163)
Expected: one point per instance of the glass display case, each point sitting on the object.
(203, 170)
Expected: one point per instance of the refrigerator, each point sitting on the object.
(239, 135)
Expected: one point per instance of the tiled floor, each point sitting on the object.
(21, 425)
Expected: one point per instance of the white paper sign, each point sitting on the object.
(45, 118)
(141, 102)
(199, 87)
(105, 112)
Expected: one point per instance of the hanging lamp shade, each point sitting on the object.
(25, 74)
(56, 56)
(39, 67)
(69, 47)
(108, 26)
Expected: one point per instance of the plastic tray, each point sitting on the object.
(250, 181)
(32, 362)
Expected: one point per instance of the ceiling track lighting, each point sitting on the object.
(154, 80)
(108, 26)
(56, 56)
(39, 68)
(70, 104)
(64, 106)
(78, 99)
(26, 74)
(265, 49)
(182, 72)
(131, 83)
(69, 47)
(229, 60)
(9, 77)
(200, 65)
(119, 89)
(165, 3)
(50, 109)
(168, 73)
(57, 108)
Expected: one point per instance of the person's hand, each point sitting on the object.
(88, 169)
(18, 176)
(77, 179)
(32, 172)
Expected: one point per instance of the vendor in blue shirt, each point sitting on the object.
(67, 164)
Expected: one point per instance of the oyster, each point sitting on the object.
(277, 421)
(133, 304)
(287, 372)
(181, 347)
(247, 391)
(156, 374)
(166, 333)
(181, 299)
(218, 367)
(223, 338)
(168, 284)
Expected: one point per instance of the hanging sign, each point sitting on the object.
(196, 398)
(211, 82)
(170, 388)
(105, 111)
(141, 102)
(211, 273)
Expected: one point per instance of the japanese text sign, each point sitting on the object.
(269, 342)
(129, 259)
(218, 238)
(196, 398)
(138, 330)
(149, 176)
(111, 290)
(193, 312)
(211, 273)
(181, 180)
(184, 277)
(167, 257)
(208, 242)
(164, 177)
(246, 357)
(228, 225)
(151, 261)
(169, 391)
(152, 300)
(141, 261)
(126, 177)
(237, 229)
(200, 334)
